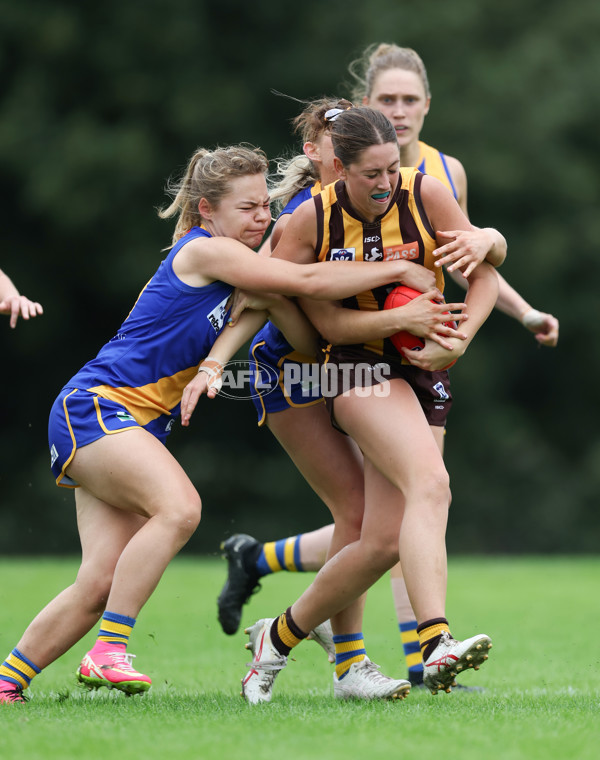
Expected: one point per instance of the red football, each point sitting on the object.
(398, 297)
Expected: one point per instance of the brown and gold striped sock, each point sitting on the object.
(285, 634)
(430, 633)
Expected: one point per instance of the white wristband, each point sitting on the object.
(532, 319)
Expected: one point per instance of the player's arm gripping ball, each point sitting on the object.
(400, 296)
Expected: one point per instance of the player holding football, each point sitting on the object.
(393, 80)
(329, 460)
(405, 482)
(136, 507)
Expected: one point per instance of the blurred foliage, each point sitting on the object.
(101, 103)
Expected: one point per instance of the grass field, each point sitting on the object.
(542, 681)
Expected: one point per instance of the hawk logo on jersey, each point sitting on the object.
(373, 255)
(217, 316)
(408, 251)
(439, 387)
(343, 254)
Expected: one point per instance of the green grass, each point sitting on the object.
(542, 681)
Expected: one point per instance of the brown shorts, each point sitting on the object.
(345, 368)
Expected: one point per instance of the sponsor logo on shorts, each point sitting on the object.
(53, 454)
(125, 417)
(343, 254)
(441, 391)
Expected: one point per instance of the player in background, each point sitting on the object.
(112, 418)
(393, 80)
(404, 208)
(14, 304)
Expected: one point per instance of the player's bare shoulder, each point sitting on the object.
(298, 240)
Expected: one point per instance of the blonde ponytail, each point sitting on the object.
(208, 175)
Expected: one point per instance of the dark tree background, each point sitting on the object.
(101, 102)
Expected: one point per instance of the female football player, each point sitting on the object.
(135, 505)
(393, 80)
(405, 483)
(329, 460)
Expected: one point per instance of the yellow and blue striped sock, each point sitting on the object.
(115, 629)
(17, 669)
(349, 648)
(280, 555)
(412, 650)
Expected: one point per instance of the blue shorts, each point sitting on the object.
(76, 419)
(280, 377)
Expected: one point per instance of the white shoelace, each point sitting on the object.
(123, 659)
(373, 673)
(268, 665)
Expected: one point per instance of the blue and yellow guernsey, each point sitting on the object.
(269, 333)
(300, 197)
(270, 349)
(159, 346)
(433, 162)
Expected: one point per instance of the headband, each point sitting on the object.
(333, 113)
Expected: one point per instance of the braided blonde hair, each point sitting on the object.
(298, 172)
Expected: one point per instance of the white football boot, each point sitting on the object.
(365, 681)
(257, 685)
(323, 635)
(450, 657)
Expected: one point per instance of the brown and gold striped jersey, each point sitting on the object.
(403, 232)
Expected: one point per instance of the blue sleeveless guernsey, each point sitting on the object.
(158, 348)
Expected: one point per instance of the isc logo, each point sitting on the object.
(372, 239)
(408, 251)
